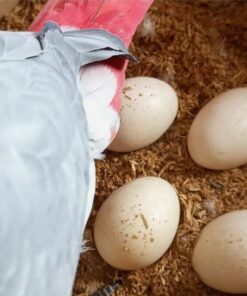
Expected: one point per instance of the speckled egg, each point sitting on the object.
(137, 223)
(220, 254)
(149, 106)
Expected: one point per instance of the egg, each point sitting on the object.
(218, 136)
(6, 6)
(137, 223)
(149, 106)
(220, 255)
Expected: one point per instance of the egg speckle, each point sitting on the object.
(149, 107)
(139, 235)
(220, 254)
(218, 135)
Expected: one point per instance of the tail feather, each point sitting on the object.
(118, 17)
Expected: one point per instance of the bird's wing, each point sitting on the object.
(94, 39)
(96, 45)
(44, 178)
(93, 45)
(18, 46)
(45, 167)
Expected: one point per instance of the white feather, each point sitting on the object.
(98, 86)
(147, 28)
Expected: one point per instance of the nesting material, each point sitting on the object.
(199, 47)
(7, 6)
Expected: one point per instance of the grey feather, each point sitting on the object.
(94, 39)
(18, 46)
(85, 43)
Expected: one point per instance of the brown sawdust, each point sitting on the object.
(200, 48)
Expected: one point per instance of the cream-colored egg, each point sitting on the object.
(149, 106)
(6, 6)
(137, 223)
(220, 255)
(218, 136)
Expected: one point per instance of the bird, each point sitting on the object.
(50, 140)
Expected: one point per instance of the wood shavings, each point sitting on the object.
(199, 47)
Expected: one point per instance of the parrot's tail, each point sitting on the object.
(118, 17)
